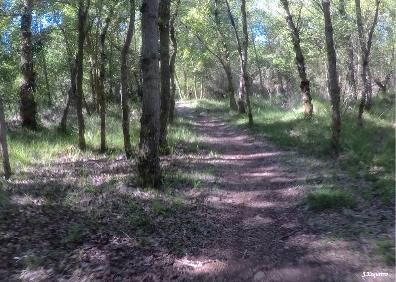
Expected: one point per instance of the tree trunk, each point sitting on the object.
(195, 87)
(82, 19)
(70, 96)
(263, 90)
(300, 61)
(149, 165)
(202, 87)
(334, 88)
(230, 87)
(351, 69)
(242, 93)
(226, 60)
(124, 80)
(383, 85)
(350, 77)
(47, 84)
(172, 64)
(369, 98)
(244, 59)
(3, 141)
(365, 50)
(92, 71)
(186, 96)
(28, 107)
(164, 21)
(102, 78)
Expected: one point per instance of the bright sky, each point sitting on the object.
(269, 6)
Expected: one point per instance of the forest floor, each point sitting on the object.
(233, 209)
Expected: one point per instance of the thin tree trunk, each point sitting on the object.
(92, 72)
(230, 87)
(3, 141)
(111, 79)
(28, 107)
(82, 19)
(70, 96)
(102, 78)
(263, 90)
(226, 60)
(185, 84)
(124, 80)
(351, 80)
(369, 97)
(243, 83)
(47, 84)
(351, 69)
(365, 54)
(201, 94)
(172, 64)
(244, 58)
(195, 87)
(300, 61)
(164, 21)
(334, 88)
(148, 164)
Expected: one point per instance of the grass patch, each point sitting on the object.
(74, 234)
(386, 249)
(368, 153)
(330, 198)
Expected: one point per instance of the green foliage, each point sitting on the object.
(330, 198)
(74, 233)
(386, 249)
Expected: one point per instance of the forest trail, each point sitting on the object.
(258, 195)
(232, 209)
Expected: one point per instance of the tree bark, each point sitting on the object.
(369, 98)
(365, 50)
(164, 21)
(351, 69)
(300, 61)
(148, 164)
(82, 19)
(241, 92)
(244, 59)
(244, 80)
(263, 90)
(172, 63)
(92, 71)
(226, 60)
(28, 107)
(124, 80)
(334, 88)
(47, 84)
(3, 141)
(70, 96)
(102, 78)
(72, 90)
(350, 77)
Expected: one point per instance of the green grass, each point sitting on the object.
(48, 144)
(367, 153)
(182, 133)
(386, 249)
(330, 198)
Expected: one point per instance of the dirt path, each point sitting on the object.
(267, 235)
(234, 211)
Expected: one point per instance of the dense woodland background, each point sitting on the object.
(91, 80)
